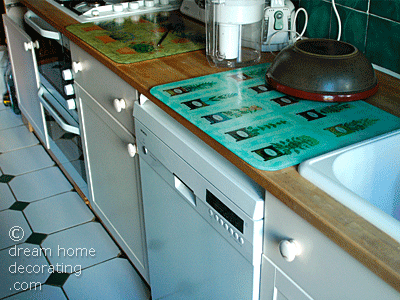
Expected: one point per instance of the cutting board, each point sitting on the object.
(268, 129)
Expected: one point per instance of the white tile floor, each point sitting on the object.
(51, 246)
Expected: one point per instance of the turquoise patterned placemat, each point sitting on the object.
(268, 129)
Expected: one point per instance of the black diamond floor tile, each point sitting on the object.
(57, 279)
(19, 205)
(5, 178)
(36, 238)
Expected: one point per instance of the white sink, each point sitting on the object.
(365, 177)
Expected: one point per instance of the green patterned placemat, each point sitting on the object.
(266, 128)
(133, 39)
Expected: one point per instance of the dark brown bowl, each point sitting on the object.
(323, 70)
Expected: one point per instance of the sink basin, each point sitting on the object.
(365, 177)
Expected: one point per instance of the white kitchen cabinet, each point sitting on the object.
(112, 172)
(320, 270)
(25, 73)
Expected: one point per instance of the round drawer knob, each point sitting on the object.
(67, 74)
(132, 150)
(289, 249)
(69, 90)
(76, 67)
(119, 104)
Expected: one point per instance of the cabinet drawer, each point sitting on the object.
(105, 86)
(322, 269)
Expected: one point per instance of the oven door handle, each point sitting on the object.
(59, 119)
(41, 26)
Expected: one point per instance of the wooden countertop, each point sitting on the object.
(373, 248)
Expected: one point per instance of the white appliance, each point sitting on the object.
(203, 217)
(279, 23)
(57, 96)
(278, 26)
(94, 10)
(234, 32)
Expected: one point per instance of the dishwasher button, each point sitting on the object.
(221, 222)
(226, 226)
(231, 231)
(216, 217)
(236, 236)
(210, 212)
(241, 240)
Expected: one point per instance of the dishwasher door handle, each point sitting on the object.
(184, 190)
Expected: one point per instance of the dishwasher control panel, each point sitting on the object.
(225, 211)
(226, 226)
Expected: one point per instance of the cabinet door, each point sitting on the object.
(25, 75)
(322, 268)
(276, 285)
(113, 178)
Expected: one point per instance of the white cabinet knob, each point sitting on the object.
(71, 104)
(119, 104)
(69, 90)
(164, 2)
(289, 249)
(76, 67)
(132, 150)
(67, 74)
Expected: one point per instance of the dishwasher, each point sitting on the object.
(203, 216)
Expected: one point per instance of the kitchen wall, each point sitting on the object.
(373, 26)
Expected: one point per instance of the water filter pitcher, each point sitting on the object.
(234, 32)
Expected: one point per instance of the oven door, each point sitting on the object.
(64, 138)
(52, 57)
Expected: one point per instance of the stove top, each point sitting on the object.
(93, 10)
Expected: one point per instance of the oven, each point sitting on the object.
(57, 97)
